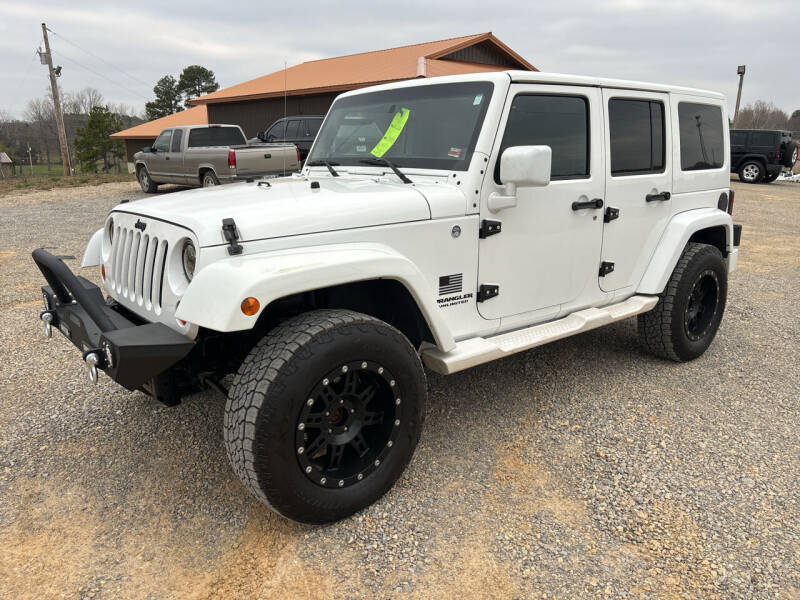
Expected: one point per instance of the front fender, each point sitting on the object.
(213, 298)
(93, 255)
(676, 236)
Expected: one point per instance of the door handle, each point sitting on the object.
(167, 157)
(596, 203)
(268, 156)
(663, 196)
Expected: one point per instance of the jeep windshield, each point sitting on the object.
(429, 126)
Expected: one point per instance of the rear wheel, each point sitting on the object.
(324, 414)
(209, 179)
(146, 183)
(683, 324)
(751, 171)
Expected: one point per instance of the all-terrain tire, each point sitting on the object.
(300, 364)
(145, 181)
(675, 329)
(751, 171)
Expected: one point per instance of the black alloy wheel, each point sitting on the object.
(702, 305)
(347, 426)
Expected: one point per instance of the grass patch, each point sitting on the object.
(11, 185)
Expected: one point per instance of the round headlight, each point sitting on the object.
(189, 258)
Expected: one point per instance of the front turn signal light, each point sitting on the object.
(250, 306)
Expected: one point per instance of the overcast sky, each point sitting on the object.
(692, 43)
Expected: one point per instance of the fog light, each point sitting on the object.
(250, 306)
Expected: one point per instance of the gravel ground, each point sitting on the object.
(583, 469)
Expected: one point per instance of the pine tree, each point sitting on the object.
(196, 81)
(93, 143)
(168, 99)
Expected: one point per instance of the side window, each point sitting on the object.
(701, 136)
(177, 136)
(162, 141)
(561, 122)
(738, 138)
(636, 130)
(293, 130)
(313, 126)
(276, 131)
(762, 139)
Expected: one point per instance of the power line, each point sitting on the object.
(72, 60)
(113, 66)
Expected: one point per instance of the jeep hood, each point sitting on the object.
(288, 206)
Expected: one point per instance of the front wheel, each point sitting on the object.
(683, 324)
(146, 182)
(324, 414)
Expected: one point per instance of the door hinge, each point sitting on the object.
(231, 235)
(610, 214)
(488, 228)
(606, 268)
(487, 292)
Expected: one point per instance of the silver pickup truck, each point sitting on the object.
(207, 155)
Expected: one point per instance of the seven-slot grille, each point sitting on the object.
(137, 267)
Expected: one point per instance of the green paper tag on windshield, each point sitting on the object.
(391, 135)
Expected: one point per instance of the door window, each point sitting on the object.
(636, 131)
(162, 141)
(702, 144)
(561, 122)
(276, 131)
(738, 138)
(293, 130)
(176, 140)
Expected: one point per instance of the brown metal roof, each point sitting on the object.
(197, 115)
(368, 68)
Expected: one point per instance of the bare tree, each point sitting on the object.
(40, 113)
(762, 115)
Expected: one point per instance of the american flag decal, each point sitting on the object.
(450, 284)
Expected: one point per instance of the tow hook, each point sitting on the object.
(47, 319)
(91, 364)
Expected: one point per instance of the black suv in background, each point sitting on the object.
(761, 154)
(299, 130)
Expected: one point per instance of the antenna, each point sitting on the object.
(284, 115)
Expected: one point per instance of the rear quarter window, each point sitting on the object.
(701, 136)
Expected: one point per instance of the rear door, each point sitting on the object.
(638, 144)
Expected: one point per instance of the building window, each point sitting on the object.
(561, 122)
(636, 129)
(702, 145)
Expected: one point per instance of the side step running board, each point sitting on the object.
(476, 351)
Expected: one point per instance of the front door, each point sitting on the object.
(547, 253)
(638, 144)
(157, 162)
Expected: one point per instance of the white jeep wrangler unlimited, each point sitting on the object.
(448, 221)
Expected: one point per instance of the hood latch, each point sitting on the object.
(231, 235)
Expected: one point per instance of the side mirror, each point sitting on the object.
(521, 166)
(153, 149)
(262, 135)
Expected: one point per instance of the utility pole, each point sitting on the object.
(740, 72)
(62, 134)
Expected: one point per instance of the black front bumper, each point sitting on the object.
(131, 352)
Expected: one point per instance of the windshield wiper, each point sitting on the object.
(385, 163)
(324, 163)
